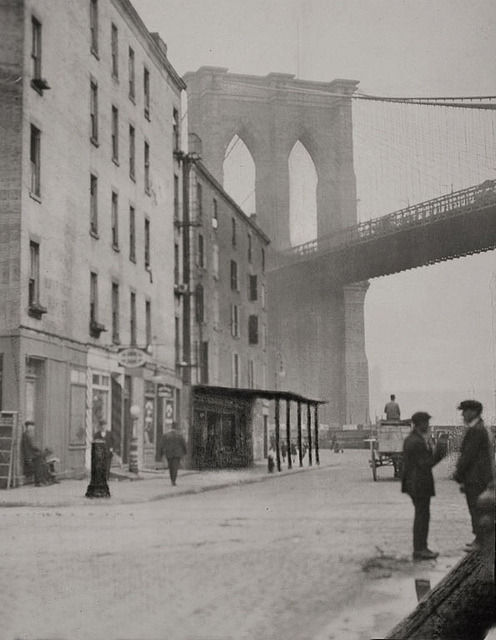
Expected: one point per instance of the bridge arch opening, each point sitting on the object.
(239, 174)
(302, 195)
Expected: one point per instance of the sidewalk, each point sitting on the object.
(148, 486)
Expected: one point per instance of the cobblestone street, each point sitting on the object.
(315, 555)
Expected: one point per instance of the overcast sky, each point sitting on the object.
(428, 331)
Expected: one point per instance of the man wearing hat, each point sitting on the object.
(418, 481)
(475, 467)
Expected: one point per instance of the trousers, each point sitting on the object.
(421, 522)
(472, 494)
(173, 468)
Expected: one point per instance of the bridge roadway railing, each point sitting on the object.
(473, 198)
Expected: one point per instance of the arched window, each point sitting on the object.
(302, 196)
(239, 174)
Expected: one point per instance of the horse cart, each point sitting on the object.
(386, 448)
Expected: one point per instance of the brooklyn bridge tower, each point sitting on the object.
(316, 324)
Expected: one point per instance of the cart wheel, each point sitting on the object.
(373, 464)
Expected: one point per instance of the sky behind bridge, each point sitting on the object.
(429, 331)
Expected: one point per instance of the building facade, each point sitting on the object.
(89, 187)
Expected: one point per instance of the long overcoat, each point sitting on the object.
(418, 459)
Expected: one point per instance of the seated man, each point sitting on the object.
(34, 461)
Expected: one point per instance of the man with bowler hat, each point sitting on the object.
(475, 466)
(173, 447)
(418, 481)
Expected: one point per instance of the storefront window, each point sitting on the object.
(101, 393)
(77, 424)
(149, 414)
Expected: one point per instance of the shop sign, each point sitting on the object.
(131, 358)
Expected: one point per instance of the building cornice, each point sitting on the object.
(162, 59)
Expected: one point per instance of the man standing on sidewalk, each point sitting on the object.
(418, 481)
(173, 447)
(475, 467)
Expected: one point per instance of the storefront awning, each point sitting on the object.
(248, 394)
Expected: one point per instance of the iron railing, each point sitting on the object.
(473, 198)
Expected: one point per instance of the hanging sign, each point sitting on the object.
(131, 358)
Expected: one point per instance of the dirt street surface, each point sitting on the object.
(319, 555)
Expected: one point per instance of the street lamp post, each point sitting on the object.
(133, 450)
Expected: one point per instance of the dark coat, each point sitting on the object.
(173, 445)
(108, 439)
(418, 460)
(475, 466)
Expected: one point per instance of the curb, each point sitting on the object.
(86, 502)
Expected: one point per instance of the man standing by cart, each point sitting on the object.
(418, 481)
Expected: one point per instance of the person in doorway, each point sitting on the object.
(418, 481)
(284, 451)
(475, 466)
(173, 447)
(392, 409)
(103, 434)
(34, 459)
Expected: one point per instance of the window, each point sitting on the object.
(94, 111)
(199, 199)
(132, 152)
(249, 248)
(176, 263)
(115, 220)
(175, 130)
(264, 336)
(146, 92)
(93, 204)
(253, 330)
(148, 322)
(34, 274)
(215, 261)
(132, 319)
(264, 296)
(233, 235)
(115, 134)
(201, 251)
(35, 155)
(228, 430)
(115, 313)
(77, 415)
(216, 213)
(147, 243)
(251, 374)
(147, 167)
(132, 233)
(132, 75)
(252, 288)
(215, 308)
(94, 26)
(235, 370)
(115, 51)
(263, 260)
(93, 298)
(36, 48)
(204, 363)
(200, 308)
(176, 197)
(235, 321)
(234, 275)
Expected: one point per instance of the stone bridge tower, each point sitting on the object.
(316, 326)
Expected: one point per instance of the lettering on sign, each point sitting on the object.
(164, 391)
(132, 358)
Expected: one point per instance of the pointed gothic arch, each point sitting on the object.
(239, 172)
(303, 182)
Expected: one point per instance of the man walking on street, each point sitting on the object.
(173, 447)
(418, 481)
(392, 409)
(475, 467)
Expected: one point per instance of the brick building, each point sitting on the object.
(225, 338)
(89, 120)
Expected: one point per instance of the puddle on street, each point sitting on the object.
(388, 595)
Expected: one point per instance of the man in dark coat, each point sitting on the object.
(34, 463)
(173, 447)
(475, 467)
(106, 436)
(418, 481)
